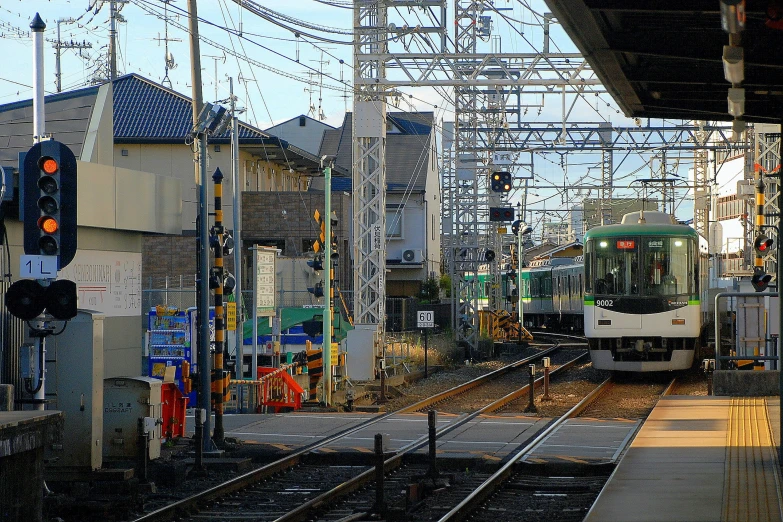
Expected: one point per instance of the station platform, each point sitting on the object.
(699, 459)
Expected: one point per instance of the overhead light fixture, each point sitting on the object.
(733, 64)
(732, 15)
(737, 128)
(736, 101)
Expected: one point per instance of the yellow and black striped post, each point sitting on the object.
(315, 369)
(758, 261)
(219, 377)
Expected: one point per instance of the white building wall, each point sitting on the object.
(307, 137)
(177, 161)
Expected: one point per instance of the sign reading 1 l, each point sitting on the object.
(38, 267)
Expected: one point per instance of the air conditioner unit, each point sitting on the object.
(412, 256)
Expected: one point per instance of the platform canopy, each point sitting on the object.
(663, 58)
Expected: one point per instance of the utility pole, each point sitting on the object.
(237, 194)
(216, 59)
(112, 41)
(59, 45)
(200, 158)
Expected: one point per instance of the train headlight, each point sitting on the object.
(603, 244)
(678, 243)
(678, 321)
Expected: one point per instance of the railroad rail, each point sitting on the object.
(493, 484)
(192, 503)
(395, 462)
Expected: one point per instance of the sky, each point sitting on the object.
(273, 85)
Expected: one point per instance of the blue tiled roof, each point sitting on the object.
(146, 111)
(410, 125)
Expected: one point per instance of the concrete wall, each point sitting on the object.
(287, 218)
(177, 160)
(737, 383)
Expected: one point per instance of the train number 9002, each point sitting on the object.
(604, 302)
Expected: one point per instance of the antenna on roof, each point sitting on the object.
(168, 58)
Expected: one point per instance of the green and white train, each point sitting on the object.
(640, 292)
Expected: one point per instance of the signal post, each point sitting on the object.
(49, 206)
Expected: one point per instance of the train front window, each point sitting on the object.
(614, 267)
(667, 270)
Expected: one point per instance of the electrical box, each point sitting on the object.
(74, 385)
(126, 400)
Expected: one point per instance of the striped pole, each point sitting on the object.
(218, 375)
(759, 261)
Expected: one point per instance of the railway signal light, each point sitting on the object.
(500, 181)
(27, 299)
(763, 245)
(760, 279)
(317, 263)
(519, 226)
(317, 290)
(501, 213)
(489, 255)
(49, 201)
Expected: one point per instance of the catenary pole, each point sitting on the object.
(200, 157)
(328, 320)
(236, 210)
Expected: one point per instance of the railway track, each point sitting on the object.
(253, 481)
(511, 493)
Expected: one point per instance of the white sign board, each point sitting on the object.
(38, 267)
(425, 319)
(377, 237)
(265, 281)
(107, 282)
(503, 158)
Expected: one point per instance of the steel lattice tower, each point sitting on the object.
(369, 167)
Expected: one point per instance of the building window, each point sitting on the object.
(302, 121)
(124, 152)
(394, 221)
(217, 148)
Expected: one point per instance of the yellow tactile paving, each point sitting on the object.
(752, 475)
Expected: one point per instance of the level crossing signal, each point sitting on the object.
(500, 181)
(760, 280)
(49, 201)
(501, 213)
(763, 245)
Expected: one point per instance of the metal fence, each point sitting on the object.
(180, 293)
(746, 330)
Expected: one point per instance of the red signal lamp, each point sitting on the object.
(49, 165)
(48, 224)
